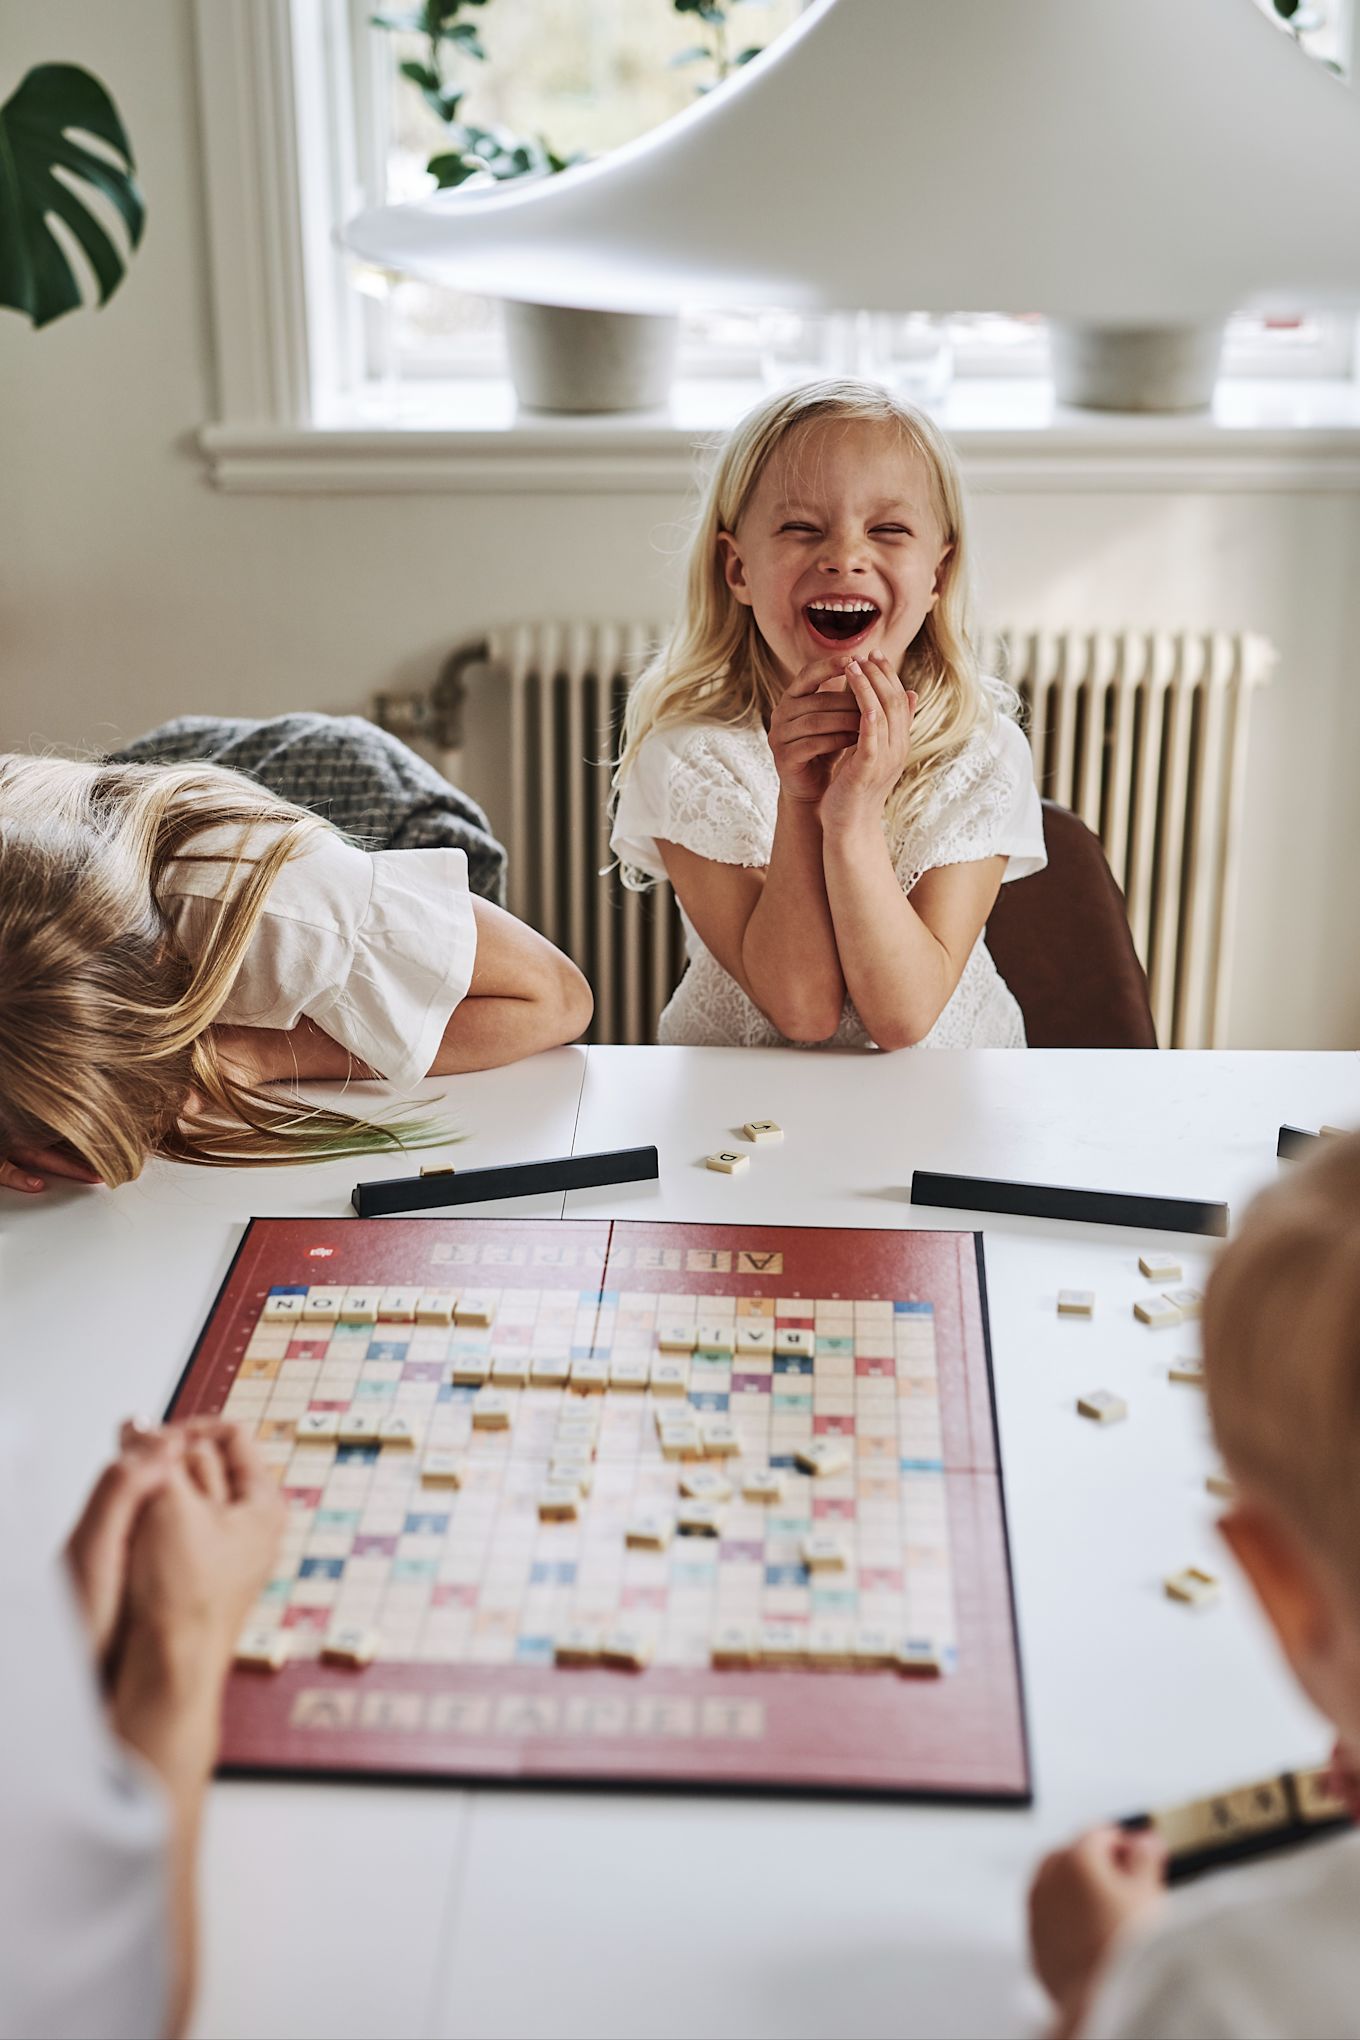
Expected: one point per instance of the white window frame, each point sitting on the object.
(1329, 350)
(280, 163)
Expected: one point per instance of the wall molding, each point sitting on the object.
(588, 457)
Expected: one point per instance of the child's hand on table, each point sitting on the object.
(27, 1170)
(174, 1543)
(97, 1550)
(1081, 1899)
(814, 720)
(861, 779)
(202, 1547)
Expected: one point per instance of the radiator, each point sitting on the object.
(1143, 734)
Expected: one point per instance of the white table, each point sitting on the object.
(379, 1910)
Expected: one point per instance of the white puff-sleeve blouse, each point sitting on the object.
(377, 947)
(715, 790)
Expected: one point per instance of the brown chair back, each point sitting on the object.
(1062, 942)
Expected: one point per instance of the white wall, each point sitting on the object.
(130, 590)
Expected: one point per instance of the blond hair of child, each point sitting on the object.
(1282, 1354)
(106, 1025)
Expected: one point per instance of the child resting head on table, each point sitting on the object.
(1275, 1949)
(109, 1716)
(174, 939)
(814, 760)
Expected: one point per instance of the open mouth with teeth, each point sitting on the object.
(839, 620)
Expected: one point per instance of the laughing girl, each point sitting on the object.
(813, 759)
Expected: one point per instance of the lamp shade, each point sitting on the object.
(1117, 161)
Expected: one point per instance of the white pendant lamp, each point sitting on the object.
(1121, 163)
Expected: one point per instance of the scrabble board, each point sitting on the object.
(838, 1614)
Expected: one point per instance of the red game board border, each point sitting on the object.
(259, 1741)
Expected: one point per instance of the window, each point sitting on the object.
(582, 75)
(586, 75)
(1324, 28)
(307, 120)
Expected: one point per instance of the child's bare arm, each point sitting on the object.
(525, 995)
(770, 929)
(902, 957)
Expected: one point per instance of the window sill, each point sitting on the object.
(467, 438)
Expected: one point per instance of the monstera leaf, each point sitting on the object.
(35, 144)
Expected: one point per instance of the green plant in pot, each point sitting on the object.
(561, 358)
(716, 16)
(470, 150)
(40, 128)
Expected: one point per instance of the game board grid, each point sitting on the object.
(476, 1578)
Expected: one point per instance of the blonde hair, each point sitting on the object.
(1282, 1351)
(105, 1022)
(715, 666)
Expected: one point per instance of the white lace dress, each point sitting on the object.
(715, 791)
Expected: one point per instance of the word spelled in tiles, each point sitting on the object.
(621, 1499)
(651, 1476)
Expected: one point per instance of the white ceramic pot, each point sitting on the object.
(562, 359)
(1135, 368)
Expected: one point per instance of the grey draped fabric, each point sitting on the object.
(365, 782)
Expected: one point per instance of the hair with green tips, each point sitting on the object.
(107, 1041)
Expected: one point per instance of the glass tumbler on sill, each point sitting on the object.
(912, 355)
(799, 347)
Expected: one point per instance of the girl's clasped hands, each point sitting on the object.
(841, 737)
